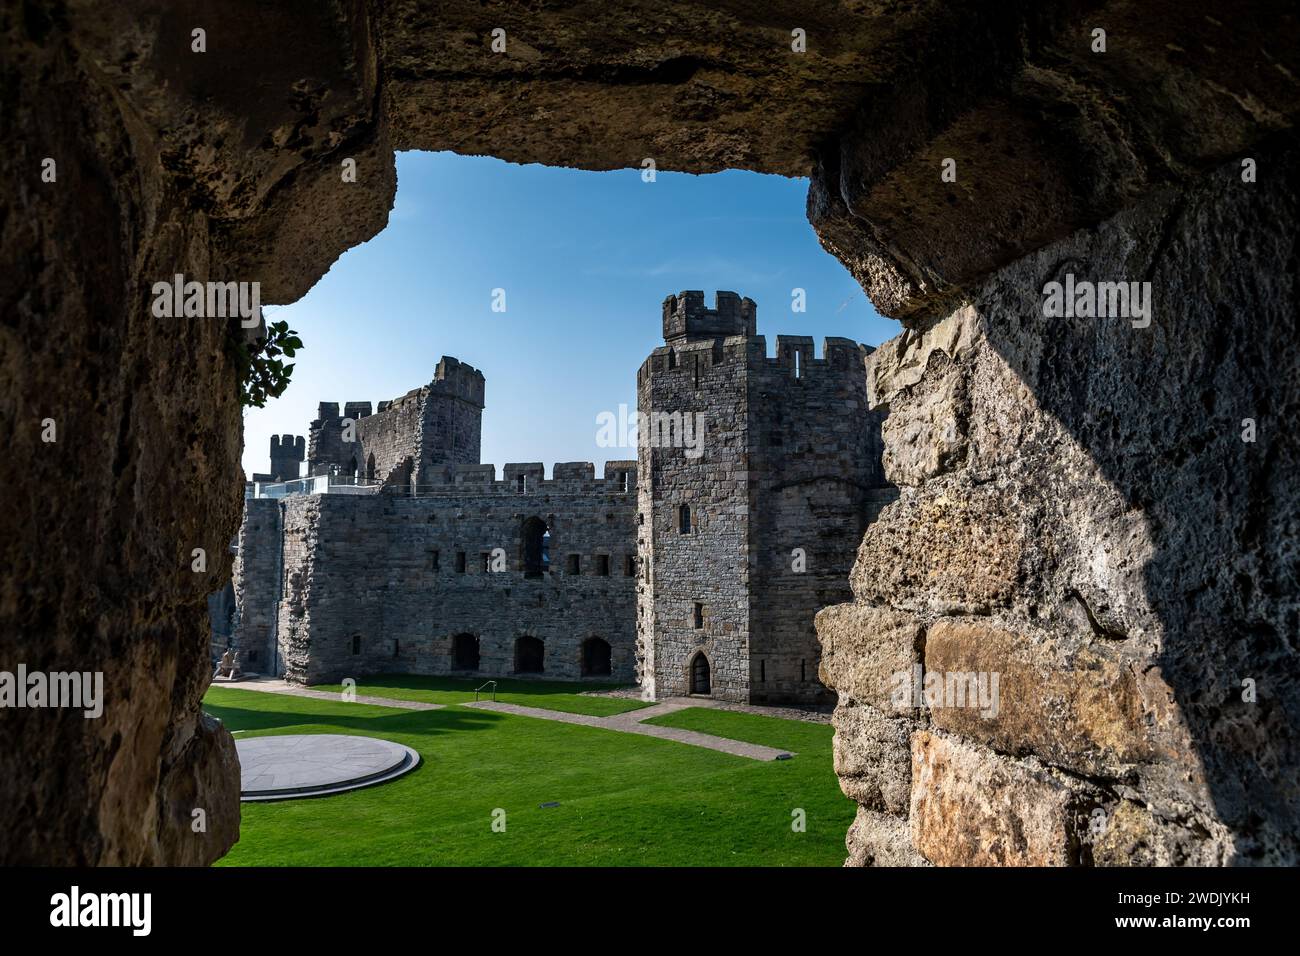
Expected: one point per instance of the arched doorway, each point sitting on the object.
(464, 652)
(700, 675)
(370, 466)
(597, 657)
(536, 547)
(530, 655)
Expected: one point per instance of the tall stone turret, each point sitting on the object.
(758, 477)
(287, 454)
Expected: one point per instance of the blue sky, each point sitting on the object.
(585, 260)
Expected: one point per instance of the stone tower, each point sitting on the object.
(287, 453)
(758, 477)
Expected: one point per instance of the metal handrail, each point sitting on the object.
(494, 690)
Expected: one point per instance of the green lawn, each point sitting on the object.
(551, 695)
(624, 799)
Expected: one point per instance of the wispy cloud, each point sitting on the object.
(734, 270)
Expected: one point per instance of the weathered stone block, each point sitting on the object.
(863, 648)
(873, 758)
(952, 547)
(1079, 710)
(973, 807)
(880, 839)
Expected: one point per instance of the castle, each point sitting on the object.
(696, 569)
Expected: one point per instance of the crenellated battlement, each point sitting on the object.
(687, 317)
(526, 478)
(840, 358)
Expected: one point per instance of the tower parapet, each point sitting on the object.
(287, 454)
(687, 317)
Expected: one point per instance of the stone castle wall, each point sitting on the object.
(384, 583)
(815, 469)
(1102, 515)
(256, 580)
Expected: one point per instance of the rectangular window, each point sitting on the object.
(629, 565)
(356, 643)
(602, 565)
(699, 615)
(460, 562)
(762, 672)
(487, 562)
(573, 564)
(433, 560)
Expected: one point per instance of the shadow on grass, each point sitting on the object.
(417, 723)
(465, 685)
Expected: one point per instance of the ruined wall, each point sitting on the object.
(387, 569)
(787, 459)
(1102, 514)
(439, 423)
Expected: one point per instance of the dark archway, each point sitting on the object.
(370, 466)
(530, 655)
(700, 682)
(536, 541)
(464, 652)
(597, 657)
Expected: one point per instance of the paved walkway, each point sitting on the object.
(633, 723)
(269, 685)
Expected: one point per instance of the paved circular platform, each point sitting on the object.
(289, 766)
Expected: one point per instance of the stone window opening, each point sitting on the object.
(797, 370)
(625, 480)
(530, 655)
(684, 519)
(536, 541)
(486, 561)
(397, 648)
(602, 565)
(699, 675)
(762, 672)
(356, 643)
(672, 358)
(573, 564)
(717, 352)
(803, 670)
(629, 565)
(698, 616)
(465, 652)
(597, 657)
(460, 562)
(433, 560)
(370, 466)
(521, 483)
(697, 371)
